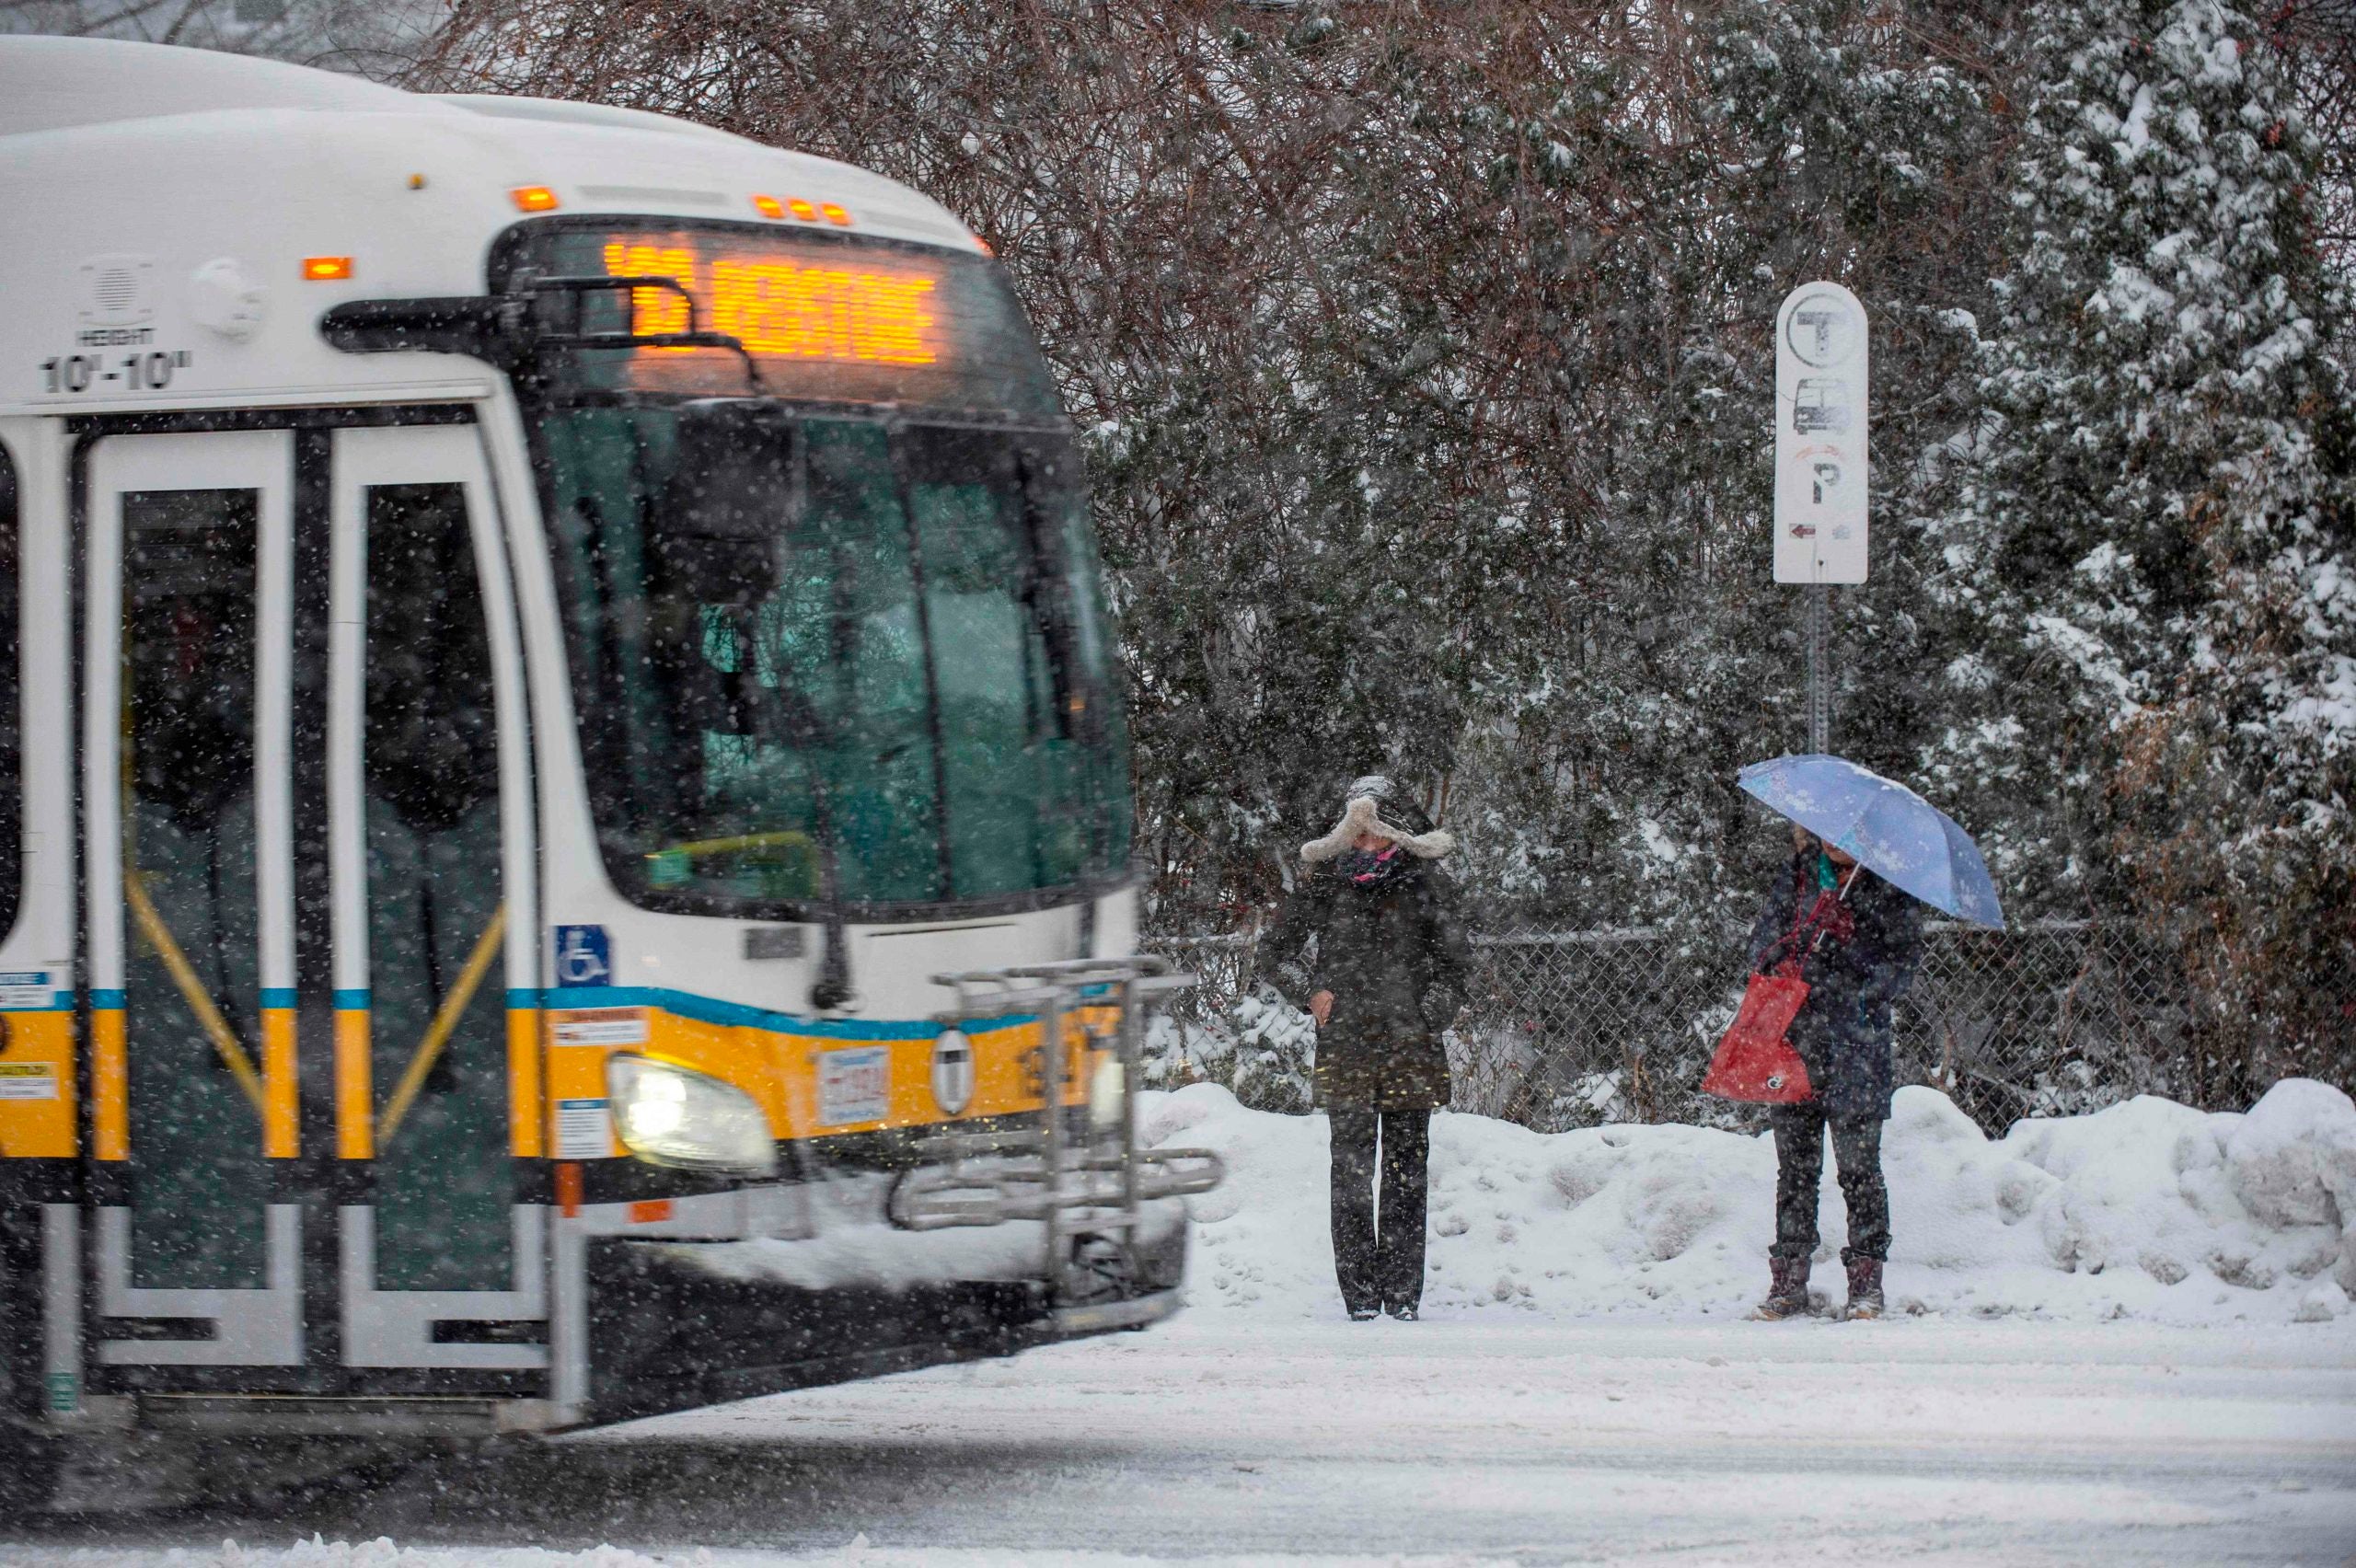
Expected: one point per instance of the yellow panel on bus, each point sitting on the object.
(883, 1078)
(36, 1101)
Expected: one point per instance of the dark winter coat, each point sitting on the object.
(1395, 957)
(1843, 1030)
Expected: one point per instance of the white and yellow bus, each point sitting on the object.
(574, 800)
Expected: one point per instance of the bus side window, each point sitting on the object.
(432, 732)
(430, 775)
(190, 562)
(11, 705)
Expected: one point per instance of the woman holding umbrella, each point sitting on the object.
(1844, 913)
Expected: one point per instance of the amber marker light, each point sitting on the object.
(326, 269)
(806, 211)
(533, 198)
(836, 215)
(768, 206)
(982, 245)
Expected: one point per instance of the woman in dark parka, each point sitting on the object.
(1859, 941)
(1371, 946)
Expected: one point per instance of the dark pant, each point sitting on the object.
(1799, 1170)
(1378, 1257)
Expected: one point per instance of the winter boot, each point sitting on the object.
(1788, 1296)
(1865, 1288)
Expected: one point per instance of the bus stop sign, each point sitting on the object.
(1820, 436)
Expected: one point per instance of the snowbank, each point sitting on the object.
(2147, 1210)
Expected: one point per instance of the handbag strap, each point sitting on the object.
(1805, 922)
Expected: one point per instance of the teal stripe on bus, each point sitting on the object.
(708, 1010)
(275, 996)
(352, 1000)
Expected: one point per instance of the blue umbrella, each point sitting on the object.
(1892, 830)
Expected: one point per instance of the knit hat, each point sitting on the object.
(1373, 804)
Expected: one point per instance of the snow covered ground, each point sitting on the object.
(1471, 1437)
(2108, 1365)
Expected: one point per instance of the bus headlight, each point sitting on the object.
(673, 1116)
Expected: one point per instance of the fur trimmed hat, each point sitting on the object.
(1373, 804)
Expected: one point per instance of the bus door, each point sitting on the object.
(303, 732)
(441, 1249)
(192, 963)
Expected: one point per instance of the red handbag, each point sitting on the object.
(1754, 1062)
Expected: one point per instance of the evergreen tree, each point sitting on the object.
(2154, 605)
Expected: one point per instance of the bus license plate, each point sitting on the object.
(854, 1085)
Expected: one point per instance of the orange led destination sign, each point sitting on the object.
(851, 312)
(826, 317)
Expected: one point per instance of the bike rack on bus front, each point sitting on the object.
(1087, 1186)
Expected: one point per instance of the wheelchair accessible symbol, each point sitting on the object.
(584, 956)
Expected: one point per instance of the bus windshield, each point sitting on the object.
(832, 657)
(831, 596)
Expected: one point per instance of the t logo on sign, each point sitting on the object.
(1823, 323)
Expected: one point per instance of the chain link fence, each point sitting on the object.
(1576, 1028)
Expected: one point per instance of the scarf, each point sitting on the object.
(1371, 869)
(1821, 917)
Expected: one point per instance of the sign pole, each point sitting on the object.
(1819, 469)
(1819, 668)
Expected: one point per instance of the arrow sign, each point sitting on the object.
(1820, 436)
